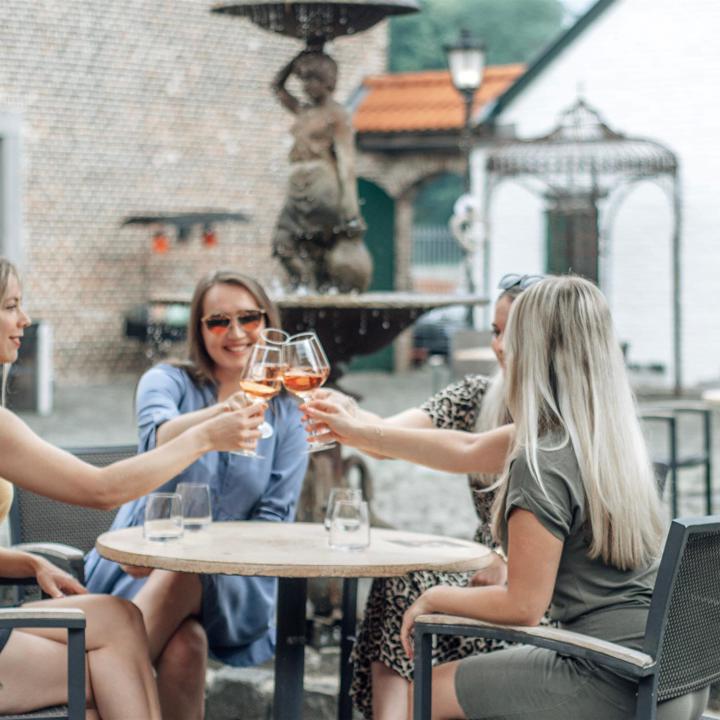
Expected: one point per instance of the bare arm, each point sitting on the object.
(410, 418)
(175, 426)
(533, 561)
(31, 463)
(278, 87)
(448, 450)
(55, 582)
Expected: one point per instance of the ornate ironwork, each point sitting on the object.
(582, 153)
(579, 163)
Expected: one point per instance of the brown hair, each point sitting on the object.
(199, 364)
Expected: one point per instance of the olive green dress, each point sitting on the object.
(589, 597)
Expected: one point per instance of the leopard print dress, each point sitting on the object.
(456, 407)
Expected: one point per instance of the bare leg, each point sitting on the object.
(181, 673)
(33, 664)
(389, 693)
(445, 705)
(166, 600)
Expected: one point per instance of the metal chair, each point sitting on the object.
(671, 419)
(74, 621)
(61, 532)
(681, 652)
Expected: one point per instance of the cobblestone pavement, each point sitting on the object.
(407, 496)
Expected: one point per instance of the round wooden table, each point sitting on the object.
(294, 552)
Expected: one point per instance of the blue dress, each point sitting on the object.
(237, 612)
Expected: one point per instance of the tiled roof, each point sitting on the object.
(424, 101)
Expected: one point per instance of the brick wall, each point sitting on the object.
(137, 107)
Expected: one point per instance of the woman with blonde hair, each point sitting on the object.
(381, 669)
(33, 662)
(576, 509)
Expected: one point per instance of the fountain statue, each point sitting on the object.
(318, 236)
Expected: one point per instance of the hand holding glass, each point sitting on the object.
(196, 509)
(306, 369)
(262, 380)
(163, 517)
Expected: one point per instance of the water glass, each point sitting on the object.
(350, 526)
(347, 494)
(196, 508)
(163, 517)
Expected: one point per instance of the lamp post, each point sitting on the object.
(466, 60)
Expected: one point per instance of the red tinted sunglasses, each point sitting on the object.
(248, 320)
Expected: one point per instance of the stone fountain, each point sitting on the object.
(318, 237)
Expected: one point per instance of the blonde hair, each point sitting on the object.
(565, 374)
(7, 270)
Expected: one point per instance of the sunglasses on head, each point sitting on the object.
(523, 282)
(219, 323)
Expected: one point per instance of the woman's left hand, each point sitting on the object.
(56, 582)
(420, 607)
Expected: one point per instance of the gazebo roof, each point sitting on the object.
(582, 144)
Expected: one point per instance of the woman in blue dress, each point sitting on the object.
(186, 615)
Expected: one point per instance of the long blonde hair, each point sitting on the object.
(565, 374)
(7, 270)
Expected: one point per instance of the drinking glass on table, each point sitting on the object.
(306, 369)
(196, 509)
(163, 517)
(262, 380)
(350, 526)
(337, 495)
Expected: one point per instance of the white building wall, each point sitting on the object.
(652, 68)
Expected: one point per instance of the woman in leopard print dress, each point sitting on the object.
(381, 669)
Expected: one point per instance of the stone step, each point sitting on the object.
(246, 693)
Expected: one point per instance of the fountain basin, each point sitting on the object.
(350, 325)
(316, 19)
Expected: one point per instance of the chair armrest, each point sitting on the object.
(64, 556)
(613, 656)
(42, 617)
(74, 621)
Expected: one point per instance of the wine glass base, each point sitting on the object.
(266, 430)
(319, 447)
(247, 453)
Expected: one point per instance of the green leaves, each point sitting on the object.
(512, 30)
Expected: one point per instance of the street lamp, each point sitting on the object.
(466, 60)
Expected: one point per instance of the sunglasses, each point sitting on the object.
(248, 320)
(523, 282)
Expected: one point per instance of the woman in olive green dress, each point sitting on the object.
(576, 509)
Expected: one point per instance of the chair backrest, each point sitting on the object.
(661, 471)
(683, 627)
(34, 518)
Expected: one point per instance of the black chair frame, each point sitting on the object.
(655, 668)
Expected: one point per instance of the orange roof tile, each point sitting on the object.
(406, 102)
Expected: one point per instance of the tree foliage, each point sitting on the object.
(512, 30)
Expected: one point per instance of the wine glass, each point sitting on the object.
(273, 336)
(306, 369)
(262, 380)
